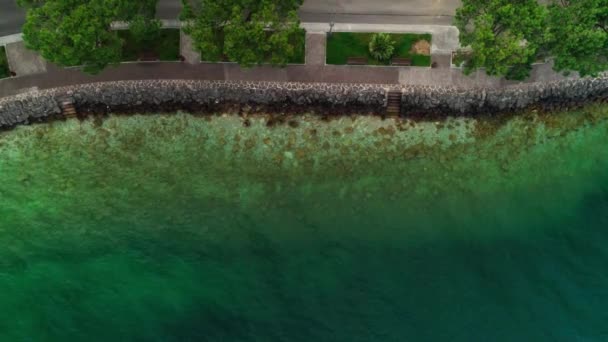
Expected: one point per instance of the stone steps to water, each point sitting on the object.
(394, 102)
(68, 109)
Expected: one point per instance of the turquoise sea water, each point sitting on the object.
(176, 228)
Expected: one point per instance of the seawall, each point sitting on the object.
(328, 98)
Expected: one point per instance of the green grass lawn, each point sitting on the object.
(166, 48)
(341, 45)
(4, 72)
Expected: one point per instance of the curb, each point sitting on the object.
(13, 38)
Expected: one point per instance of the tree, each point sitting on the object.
(78, 32)
(577, 36)
(145, 29)
(381, 47)
(505, 36)
(245, 31)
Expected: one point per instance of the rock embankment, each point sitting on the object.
(545, 96)
(214, 96)
(24, 109)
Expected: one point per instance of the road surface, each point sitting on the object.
(11, 17)
(383, 7)
(403, 12)
(412, 12)
(169, 9)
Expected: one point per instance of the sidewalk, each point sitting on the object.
(57, 77)
(445, 40)
(24, 61)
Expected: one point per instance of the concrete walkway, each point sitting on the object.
(411, 16)
(445, 40)
(57, 77)
(24, 61)
(186, 49)
(315, 48)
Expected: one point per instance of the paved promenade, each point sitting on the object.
(419, 16)
(56, 77)
(35, 73)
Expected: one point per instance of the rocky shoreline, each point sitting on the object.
(326, 99)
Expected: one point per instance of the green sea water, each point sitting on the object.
(181, 228)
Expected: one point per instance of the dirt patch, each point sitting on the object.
(422, 47)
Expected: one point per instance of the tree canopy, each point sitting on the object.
(381, 46)
(245, 31)
(506, 36)
(577, 36)
(78, 32)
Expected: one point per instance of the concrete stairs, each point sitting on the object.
(394, 103)
(68, 109)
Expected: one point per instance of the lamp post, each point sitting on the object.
(332, 17)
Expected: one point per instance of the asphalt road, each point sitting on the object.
(383, 7)
(169, 9)
(11, 17)
(354, 11)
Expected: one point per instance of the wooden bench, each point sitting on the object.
(356, 61)
(148, 57)
(401, 61)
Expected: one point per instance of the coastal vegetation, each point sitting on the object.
(506, 37)
(342, 45)
(79, 32)
(4, 71)
(245, 31)
(298, 42)
(381, 46)
(577, 35)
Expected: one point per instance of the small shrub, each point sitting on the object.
(381, 47)
(460, 57)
